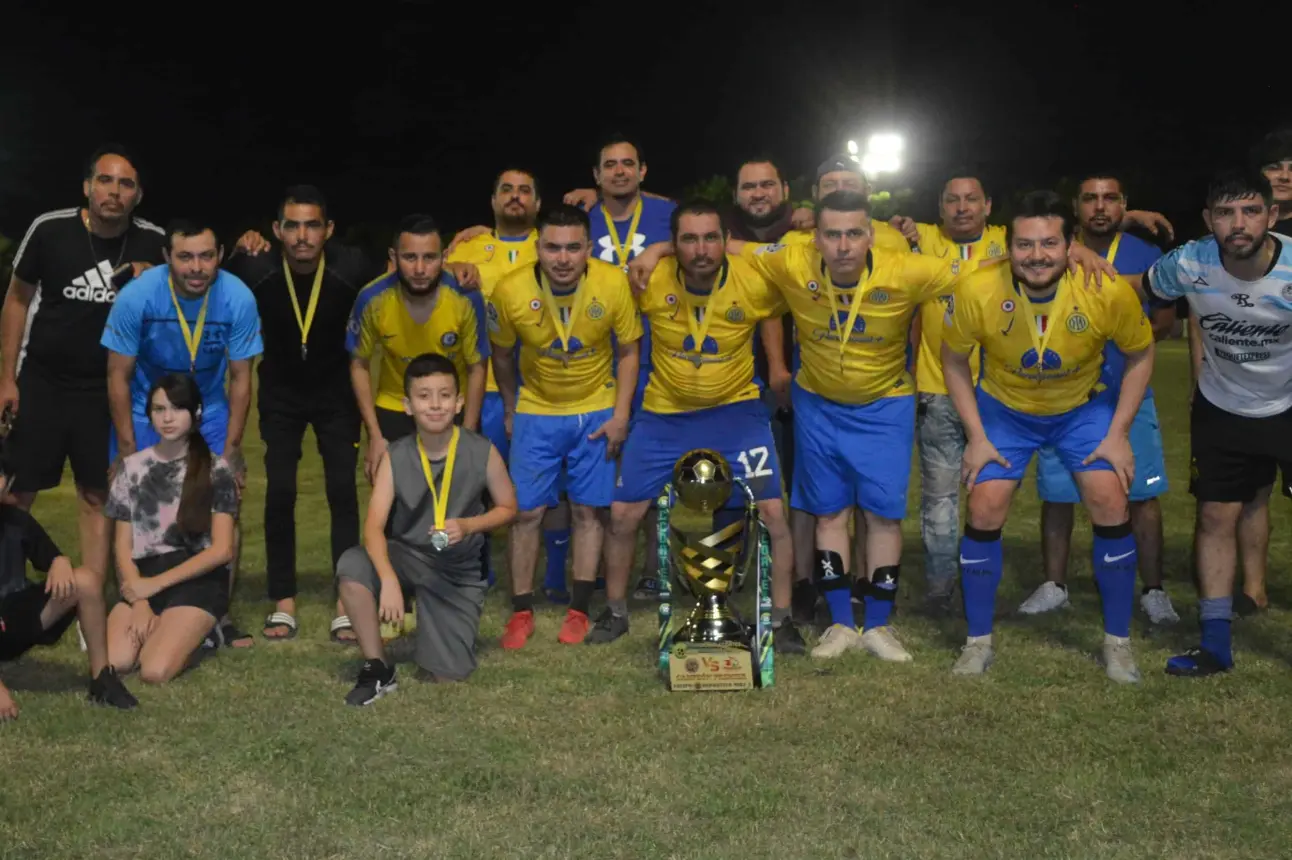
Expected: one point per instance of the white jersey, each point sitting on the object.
(1246, 326)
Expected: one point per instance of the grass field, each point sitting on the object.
(560, 751)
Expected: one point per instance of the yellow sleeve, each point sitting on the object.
(765, 299)
(929, 277)
(501, 331)
(628, 322)
(366, 342)
(468, 327)
(961, 326)
(773, 262)
(1129, 328)
(890, 239)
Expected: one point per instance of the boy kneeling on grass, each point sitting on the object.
(427, 521)
(32, 613)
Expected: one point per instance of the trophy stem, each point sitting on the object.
(712, 621)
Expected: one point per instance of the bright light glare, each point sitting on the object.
(852, 147)
(883, 154)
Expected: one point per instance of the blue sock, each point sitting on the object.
(1114, 565)
(880, 596)
(981, 568)
(557, 542)
(836, 587)
(1217, 613)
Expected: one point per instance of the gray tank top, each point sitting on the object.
(412, 516)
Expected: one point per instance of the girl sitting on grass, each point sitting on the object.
(174, 506)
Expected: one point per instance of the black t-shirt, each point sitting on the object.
(739, 229)
(72, 271)
(22, 540)
(326, 364)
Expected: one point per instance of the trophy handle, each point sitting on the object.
(762, 644)
(662, 506)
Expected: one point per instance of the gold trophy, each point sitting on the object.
(713, 649)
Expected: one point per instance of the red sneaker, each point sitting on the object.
(519, 628)
(574, 628)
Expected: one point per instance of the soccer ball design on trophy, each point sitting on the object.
(713, 649)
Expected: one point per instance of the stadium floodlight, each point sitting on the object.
(853, 149)
(883, 154)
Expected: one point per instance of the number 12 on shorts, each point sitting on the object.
(759, 457)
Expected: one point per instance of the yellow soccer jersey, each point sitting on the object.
(702, 352)
(871, 362)
(496, 258)
(935, 243)
(886, 238)
(557, 381)
(380, 318)
(989, 312)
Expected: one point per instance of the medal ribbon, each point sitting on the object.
(1112, 249)
(440, 497)
(857, 299)
(623, 247)
(192, 337)
(1040, 340)
(701, 329)
(307, 321)
(562, 330)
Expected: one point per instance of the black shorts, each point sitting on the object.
(395, 425)
(1234, 456)
(57, 424)
(20, 627)
(209, 592)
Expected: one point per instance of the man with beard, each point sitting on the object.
(304, 294)
(703, 393)
(66, 274)
(408, 313)
(1100, 208)
(185, 317)
(1034, 390)
(1238, 282)
(577, 328)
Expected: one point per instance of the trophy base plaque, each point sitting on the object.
(706, 667)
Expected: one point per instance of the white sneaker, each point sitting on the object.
(1119, 662)
(1157, 606)
(1048, 597)
(836, 641)
(881, 642)
(975, 657)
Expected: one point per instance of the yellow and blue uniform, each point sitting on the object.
(935, 243)
(1032, 395)
(1129, 256)
(701, 391)
(454, 329)
(567, 387)
(496, 257)
(853, 395)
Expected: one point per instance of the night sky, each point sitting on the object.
(390, 110)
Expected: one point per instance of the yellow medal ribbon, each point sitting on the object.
(623, 247)
(699, 330)
(1112, 249)
(858, 297)
(192, 337)
(562, 330)
(440, 497)
(1039, 340)
(307, 321)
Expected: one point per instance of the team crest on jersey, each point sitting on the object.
(995, 250)
(877, 297)
(596, 310)
(813, 287)
(1287, 292)
(735, 315)
(1077, 322)
(535, 304)
(769, 249)
(955, 267)
(670, 299)
(492, 313)
(1007, 306)
(449, 339)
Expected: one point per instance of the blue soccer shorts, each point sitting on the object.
(852, 455)
(552, 453)
(1017, 436)
(1054, 483)
(492, 425)
(740, 432)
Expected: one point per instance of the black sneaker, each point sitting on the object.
(1196, 663)
(376, 679)
(786, 639)
(647, 589)
(803, 602)
(107, 689)
(608, 628)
